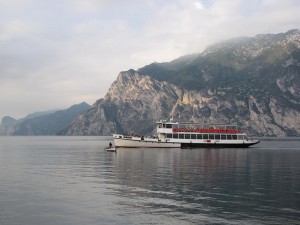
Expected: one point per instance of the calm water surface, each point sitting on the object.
(72, 180)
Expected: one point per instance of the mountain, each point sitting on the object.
(7, 124)
(235, 63)
(250, 81)
(8, 121)
(44, 123)
(37, 114)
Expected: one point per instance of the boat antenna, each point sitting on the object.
(171, 118)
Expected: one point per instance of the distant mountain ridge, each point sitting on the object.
(249, 81)
(231, 63)
(42, 123)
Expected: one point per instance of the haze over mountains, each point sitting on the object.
(250, 81)
(42, 123)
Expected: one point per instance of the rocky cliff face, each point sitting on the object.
(135, 102)
(252, 82)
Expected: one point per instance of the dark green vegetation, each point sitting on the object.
(242, 66)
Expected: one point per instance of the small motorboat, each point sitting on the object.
(111, 149)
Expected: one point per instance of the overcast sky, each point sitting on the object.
(61, 52)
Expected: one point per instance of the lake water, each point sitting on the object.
(74, 181)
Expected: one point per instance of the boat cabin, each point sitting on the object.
(175, 130)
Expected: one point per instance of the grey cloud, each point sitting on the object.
(72, 52)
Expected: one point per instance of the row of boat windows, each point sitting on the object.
(165, 125)
(208, 136)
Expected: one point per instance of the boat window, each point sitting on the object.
(229, 137)
(168, 125)
(240, 137)
(234, 137)
(175, 135)
(211, 136)
(187, 136)
(164, 125)
(193, 136)
(159, 125)
(223, 137)
(181, 136)
(217, 136)
(205, 136)
(199, 136)
(169, 135)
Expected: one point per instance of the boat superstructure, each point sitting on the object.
(188, 135)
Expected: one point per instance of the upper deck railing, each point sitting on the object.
(207, 130)
(191, 127)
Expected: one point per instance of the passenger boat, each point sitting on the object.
(188, 135)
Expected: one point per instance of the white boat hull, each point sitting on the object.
(111, 149)
(135, 143)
